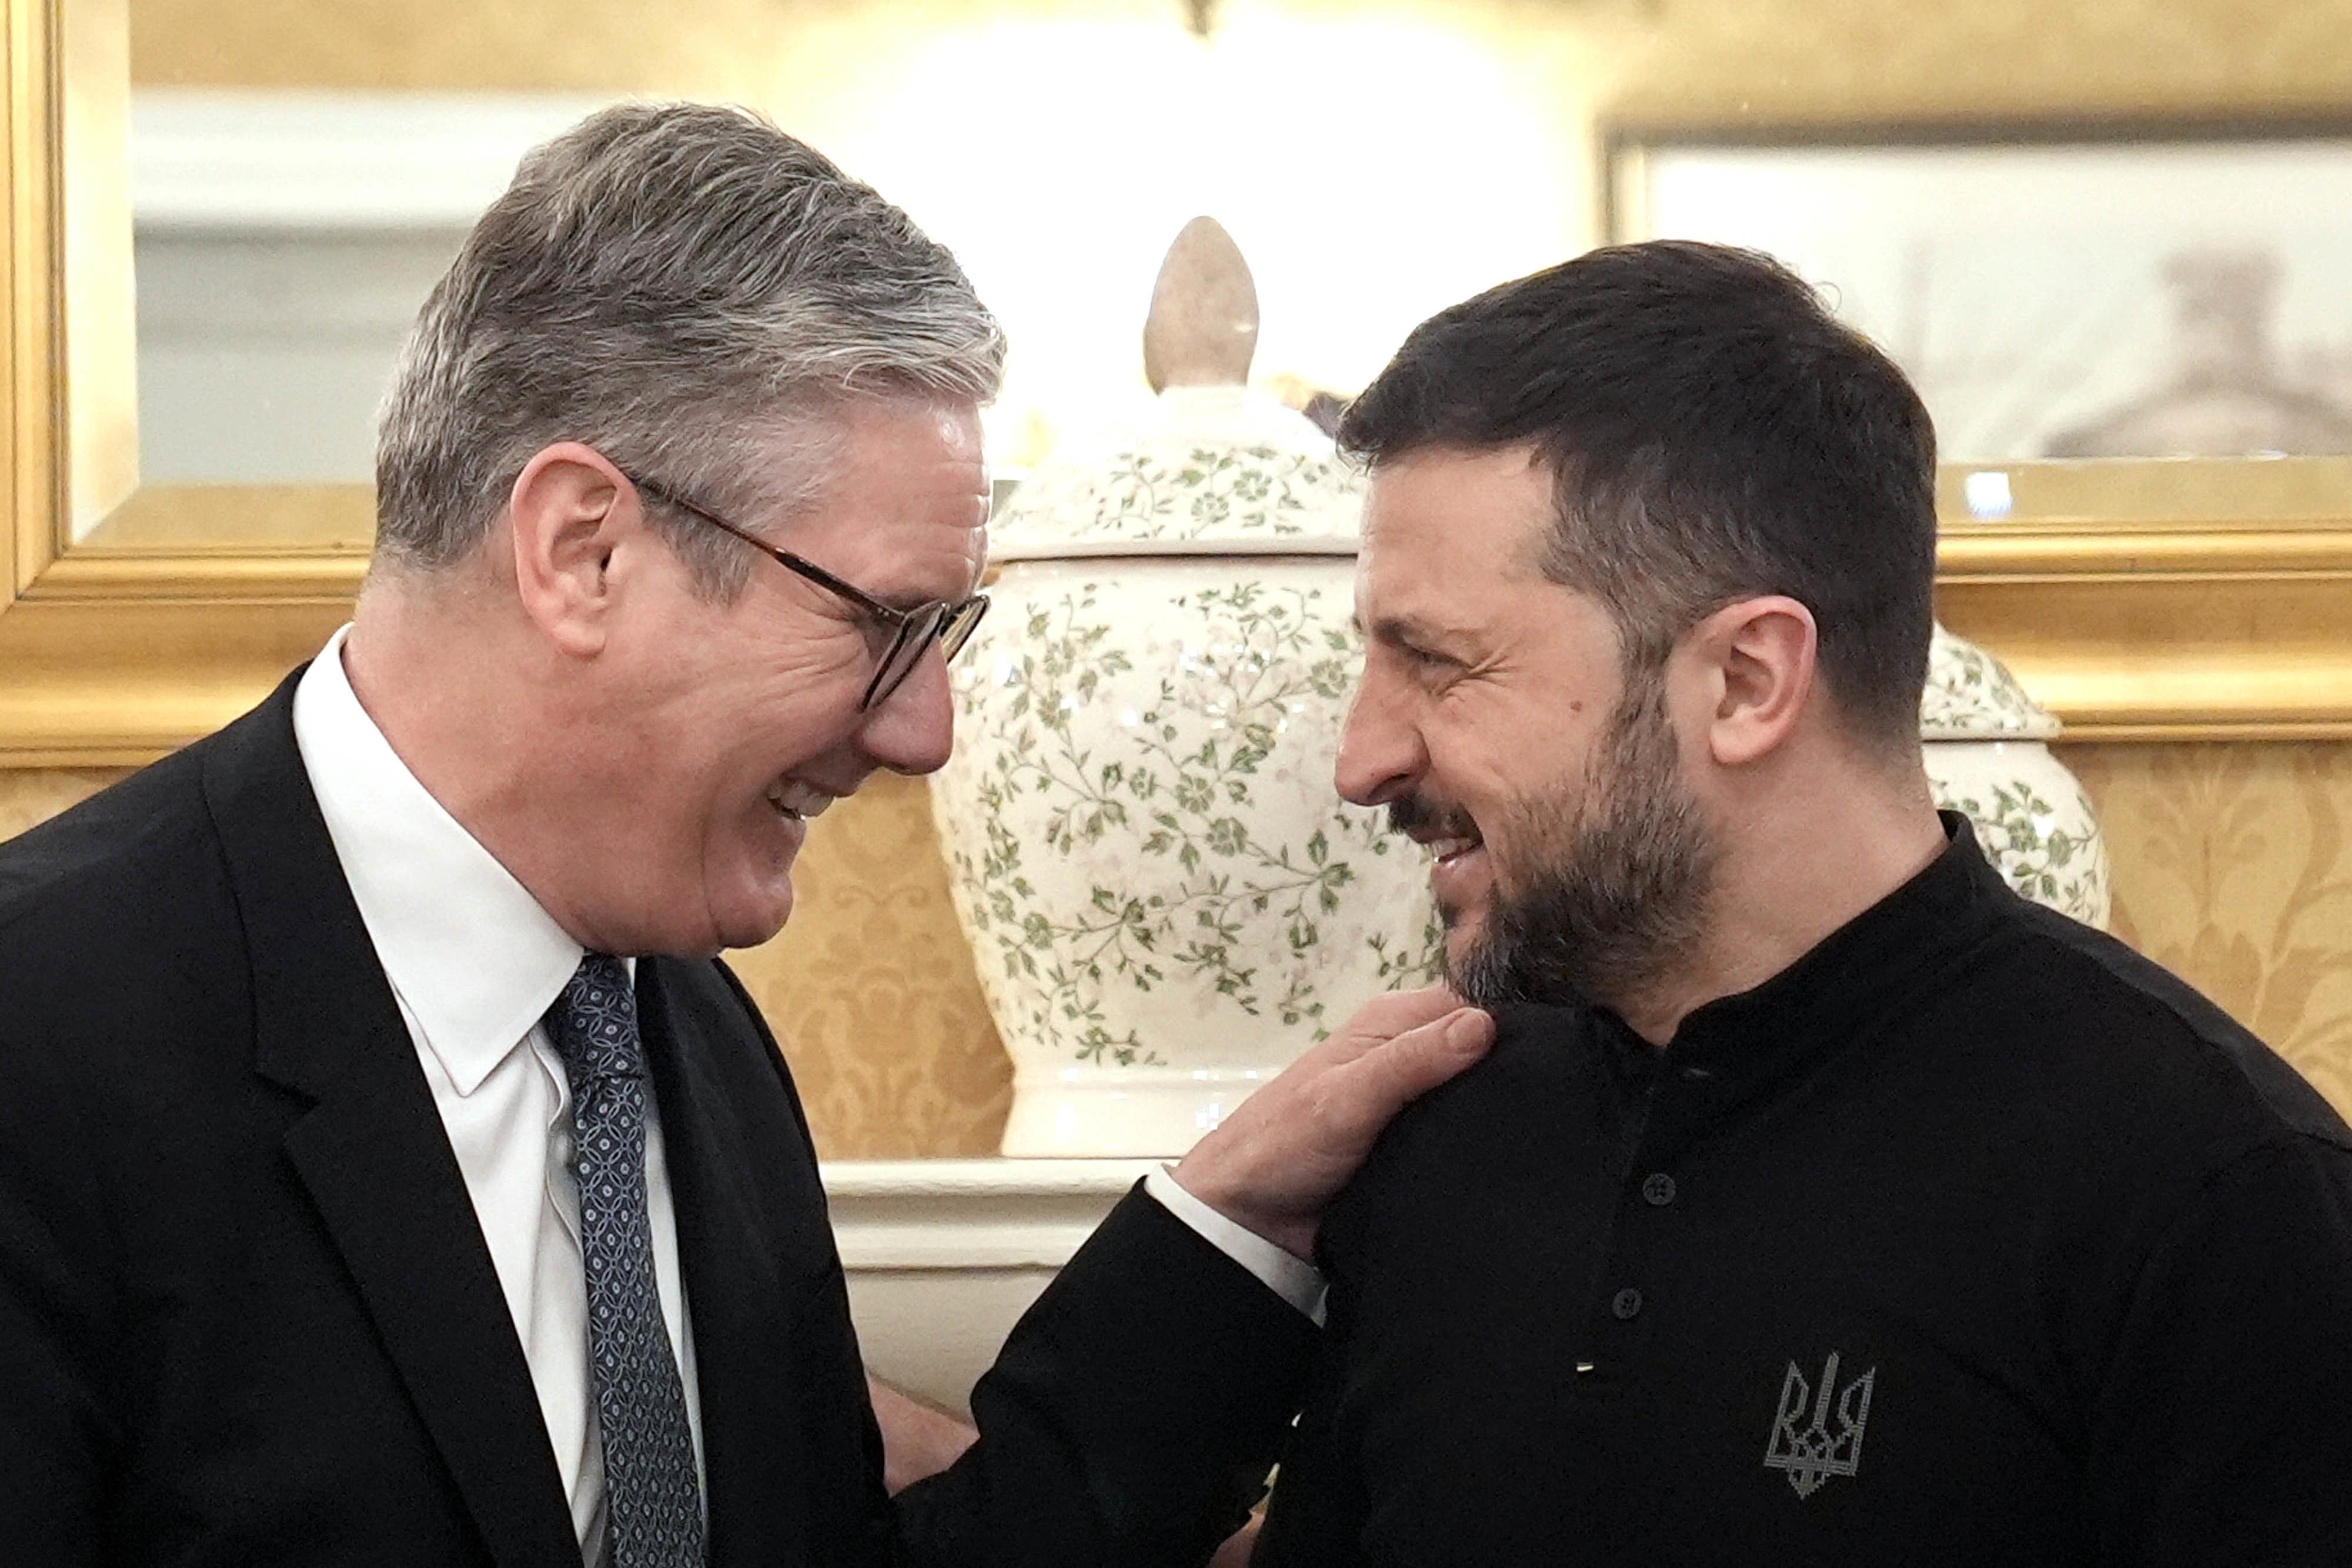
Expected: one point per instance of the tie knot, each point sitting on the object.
(594, 1022)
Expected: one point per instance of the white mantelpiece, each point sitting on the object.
(944, 1255)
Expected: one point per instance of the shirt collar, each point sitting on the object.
(468, 951)
(1744, 1044)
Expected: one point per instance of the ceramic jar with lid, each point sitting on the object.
(1166, 898)
(1989, 758)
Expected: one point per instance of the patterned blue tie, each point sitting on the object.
(653, 1502)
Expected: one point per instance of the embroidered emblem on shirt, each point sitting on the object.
(1807, 1449)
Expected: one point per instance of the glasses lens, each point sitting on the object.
(904, 653)
(962, 623)
(950, 625)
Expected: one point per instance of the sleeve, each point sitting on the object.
(1132, 1417)
(1299, 1283)
(54, 1426)
(2222, 1433)
(1316, 1517)
(1128, 1422)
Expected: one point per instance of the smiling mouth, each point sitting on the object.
(1451, 850)
(796, 801)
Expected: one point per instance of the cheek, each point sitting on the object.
(799, 684)
(1527, 807)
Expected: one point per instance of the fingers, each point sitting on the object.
(917, 1440)
(1235, 1552)
(1278, 1159)
(1386, 1016)
(1366, 1092)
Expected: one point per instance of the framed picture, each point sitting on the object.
(2108, 292)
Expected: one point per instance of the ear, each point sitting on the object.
(1758, 657)
(570, 512)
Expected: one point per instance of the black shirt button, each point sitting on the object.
(1627, 1304)
(1658, 1190)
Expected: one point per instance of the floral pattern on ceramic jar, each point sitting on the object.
(1987, 759)
(1166, 898)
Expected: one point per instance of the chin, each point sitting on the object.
(747, 922)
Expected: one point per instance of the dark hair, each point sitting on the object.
(1715, 433)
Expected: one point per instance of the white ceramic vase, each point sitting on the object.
(1987, 757)
(1162, 890)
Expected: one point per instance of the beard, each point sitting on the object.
(1619, 864)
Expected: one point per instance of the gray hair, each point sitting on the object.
(680, 287)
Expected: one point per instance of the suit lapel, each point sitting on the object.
(754, 1458)
(371, 1151)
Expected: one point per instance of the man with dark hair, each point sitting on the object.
(389, 1173)
(1821, 1200)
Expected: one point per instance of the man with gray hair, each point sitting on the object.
(388, 1172)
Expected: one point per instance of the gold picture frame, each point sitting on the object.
(2200, 601)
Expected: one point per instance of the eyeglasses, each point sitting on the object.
(911, 631)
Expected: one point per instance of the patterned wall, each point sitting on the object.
(2233, 866)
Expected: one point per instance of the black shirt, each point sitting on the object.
(1972, 1239)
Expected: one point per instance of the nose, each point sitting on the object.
(1380, 751)
(912, 730)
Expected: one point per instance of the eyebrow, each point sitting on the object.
(907, 601)
(1405, 630)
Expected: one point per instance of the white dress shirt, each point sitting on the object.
(474, 963)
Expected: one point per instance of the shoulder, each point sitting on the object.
(127, 914)
(2118, 1037)
(129, 982)
(119, 894)
(1524, 1105)
(126, 832)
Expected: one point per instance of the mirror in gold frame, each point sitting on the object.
(2137, 599)
(2132, 339)
(115, 651)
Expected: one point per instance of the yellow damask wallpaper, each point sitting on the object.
(872, 991)
(2233, 866)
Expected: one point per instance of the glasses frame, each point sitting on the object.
(948, 623)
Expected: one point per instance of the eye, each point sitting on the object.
(1426, 658)
(879, 637)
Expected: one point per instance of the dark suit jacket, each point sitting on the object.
(247, 1316)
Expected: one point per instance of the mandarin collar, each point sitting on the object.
(1745, 1042)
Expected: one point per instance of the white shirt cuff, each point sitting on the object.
(1299, 1283)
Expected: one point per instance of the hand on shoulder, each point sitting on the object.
(1278, 1160)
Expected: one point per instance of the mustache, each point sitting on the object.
(1419, 815)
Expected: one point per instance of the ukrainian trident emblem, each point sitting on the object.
(1812, 1453)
